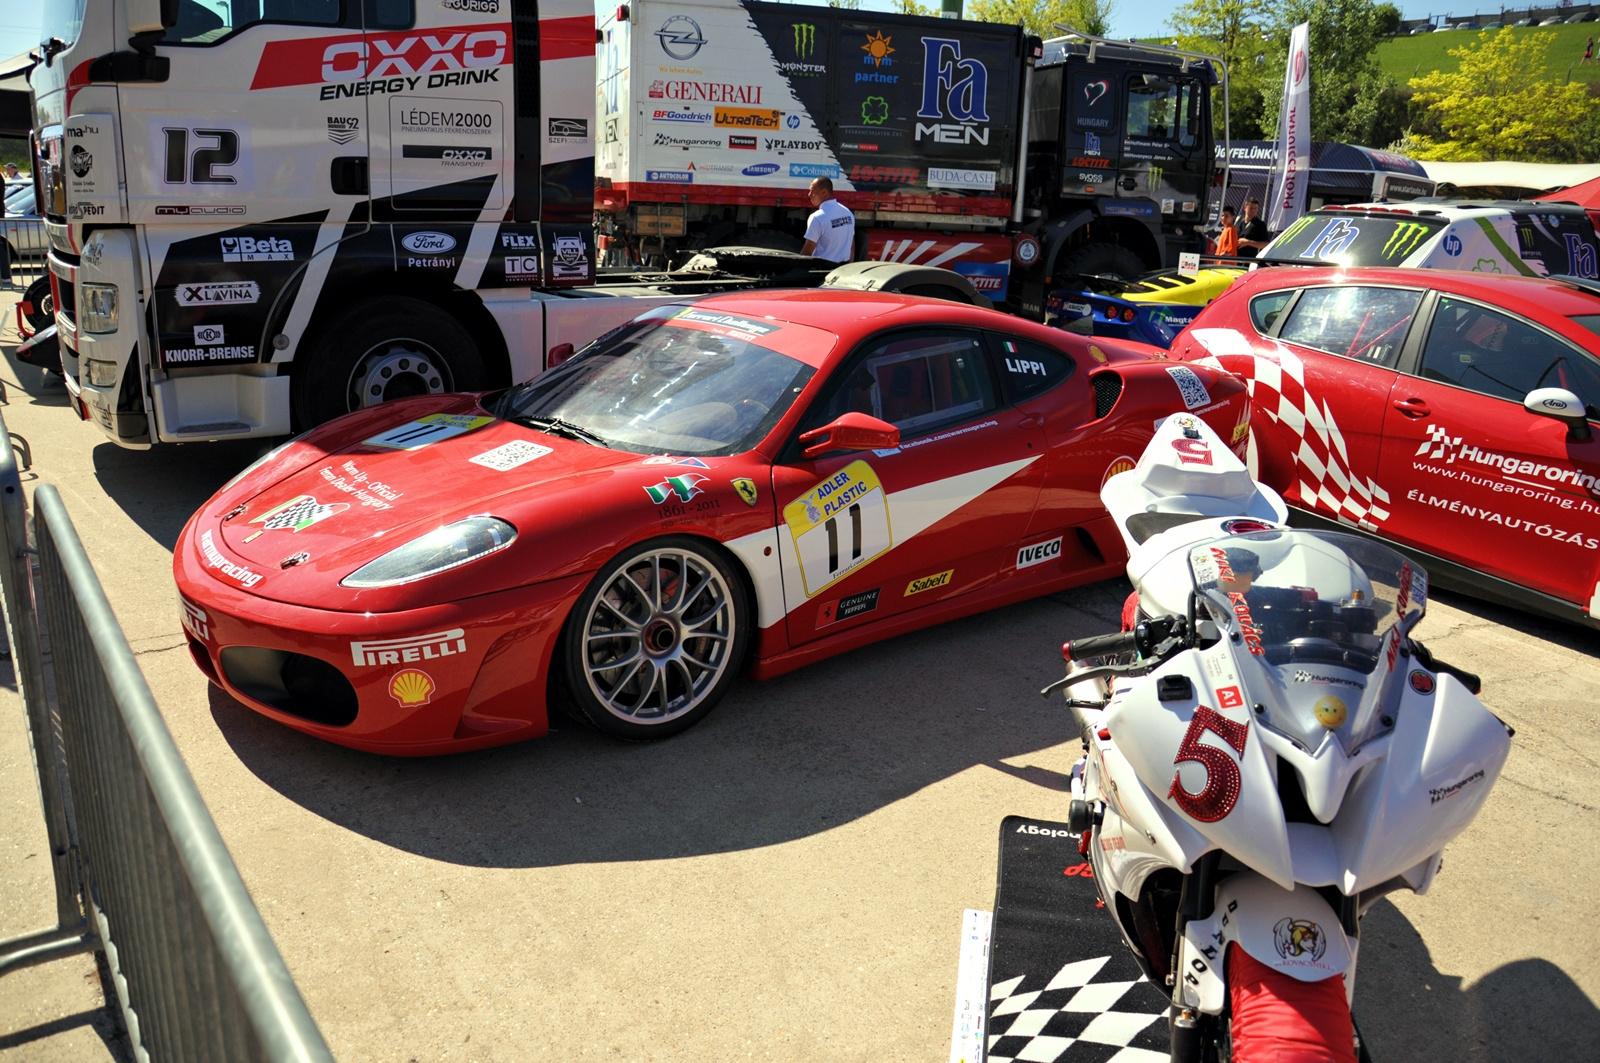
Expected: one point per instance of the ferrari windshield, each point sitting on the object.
(680, 380)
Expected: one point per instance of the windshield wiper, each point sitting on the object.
(557, 427)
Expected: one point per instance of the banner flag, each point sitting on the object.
(1289, 179)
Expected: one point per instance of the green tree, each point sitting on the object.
(1389, 19)
(1041, 16)
(1352, 100)
(911, 7)
(1502, 104)
(1243, 33)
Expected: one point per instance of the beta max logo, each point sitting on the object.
(352, 57)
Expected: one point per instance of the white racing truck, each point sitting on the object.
(265, 213)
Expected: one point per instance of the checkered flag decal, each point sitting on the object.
(302, 512)
(1085, 1014)
(1277, 386)
(1440, 444)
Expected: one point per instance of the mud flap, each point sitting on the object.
(1062, 983)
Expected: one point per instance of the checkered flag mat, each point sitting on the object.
(1091, 1011)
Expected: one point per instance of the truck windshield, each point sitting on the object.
(1350, 239)
(62, 20)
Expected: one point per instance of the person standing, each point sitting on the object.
(1588, 52)
(1228, 236)
(831, 229)
(11, 167)
(1253, 232)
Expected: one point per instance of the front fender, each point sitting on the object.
(1293, 932)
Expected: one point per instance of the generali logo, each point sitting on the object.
(351, 57)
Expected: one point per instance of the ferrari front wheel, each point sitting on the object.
(656, 639)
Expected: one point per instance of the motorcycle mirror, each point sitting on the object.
(850, 431)
(1561, 405)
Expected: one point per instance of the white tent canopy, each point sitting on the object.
(1536, 175)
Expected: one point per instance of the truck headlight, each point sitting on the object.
(97, 308)
(438, 551)
(101, 374)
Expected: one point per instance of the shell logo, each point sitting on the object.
(1122, 464)
(411, 687)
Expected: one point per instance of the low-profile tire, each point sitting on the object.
(44, 304)
(656, 639)
(1100, 259)
(382, 349)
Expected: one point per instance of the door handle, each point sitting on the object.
(1030, 421)
(1412, 407)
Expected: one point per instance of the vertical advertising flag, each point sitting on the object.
(1294, 135)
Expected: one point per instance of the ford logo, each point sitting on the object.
(428, 243)
(761, 169)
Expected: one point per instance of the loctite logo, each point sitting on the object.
(888, 175)
(351, 57)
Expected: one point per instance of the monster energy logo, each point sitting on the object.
(1156, 173)
(1404, 240)
(1289, 233)
(805, 39)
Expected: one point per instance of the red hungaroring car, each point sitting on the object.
(752, 481)
(1447, 413)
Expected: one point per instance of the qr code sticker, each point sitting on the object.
(1194, 393)
(510, 455)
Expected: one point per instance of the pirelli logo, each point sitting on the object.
(404, 651)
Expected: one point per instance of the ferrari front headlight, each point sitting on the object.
(438, 551)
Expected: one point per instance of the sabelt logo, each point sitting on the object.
(352, 57)
(747, 118)
(431, 647)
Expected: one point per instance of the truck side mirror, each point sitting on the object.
(850, 431)
(151, 16)
(1561, 405)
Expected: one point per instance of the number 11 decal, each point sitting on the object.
(839, 525)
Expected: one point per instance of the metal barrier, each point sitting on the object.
(141, 872)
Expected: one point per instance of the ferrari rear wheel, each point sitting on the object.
(657, 638)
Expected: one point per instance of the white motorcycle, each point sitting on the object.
(1267, 752)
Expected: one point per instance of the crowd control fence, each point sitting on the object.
(140, 872)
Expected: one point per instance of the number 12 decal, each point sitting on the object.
(1221, 791)
(208, 156)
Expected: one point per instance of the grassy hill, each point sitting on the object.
(1409, 57)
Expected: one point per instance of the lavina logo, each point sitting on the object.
(1039, 553)
(954, 88)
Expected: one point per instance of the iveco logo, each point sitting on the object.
(680, 37)
(428, 243)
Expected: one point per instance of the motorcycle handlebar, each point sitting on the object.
(1100, 646)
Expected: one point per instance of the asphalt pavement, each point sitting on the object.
(784, 881)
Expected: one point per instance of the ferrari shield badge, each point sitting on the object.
(746, 488)
(839, 525)
(297, 514)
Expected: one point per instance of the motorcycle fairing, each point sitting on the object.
(1152, 735)
(1292, 931)
(1443, 758)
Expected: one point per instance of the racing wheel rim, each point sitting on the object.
(659, 636)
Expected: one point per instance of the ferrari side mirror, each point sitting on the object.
(850, 431)
(1561, 405)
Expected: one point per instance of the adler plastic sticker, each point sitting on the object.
(839, 525)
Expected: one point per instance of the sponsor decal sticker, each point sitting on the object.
(207, 335)
(180, 355)
(681, 38)
(1190, 386)
(377, 652)
(1120, 465)
(348, 62)
(214, 559)
(411, 687)
(1230, 698)
(747, 118)
(684, 486)
(428, 243)
(1422, 682)
(1247, 627)
(747, 489)
(200, 211)
(568, 130)
(1192, 451)
(1330, 711)
(969, 180)
(845, 608)
(256, 249)
(810, 169)
(739, 327)
(218, 294)
(1302, 675)
(1439, 794)
(1039, 553)
(761, 169)
(928, 583)
(296, 515)
(705, 92)
(374, 494)
(414, 435)
(743, 143)
(1299, 938)
(838, 526)
(195, 619)
(508, 456)
(343, 130)
(671, 114)
(675, 177)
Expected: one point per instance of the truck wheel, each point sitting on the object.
(391, 347)
(43, 312)
(1099, 258)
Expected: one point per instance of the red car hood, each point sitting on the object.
(361, 499)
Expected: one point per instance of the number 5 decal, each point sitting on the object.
(1221, 791)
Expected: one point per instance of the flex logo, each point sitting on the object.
(1405, 239)
(1335, 237)
(952, 87)
(352, 57)
(805, 40)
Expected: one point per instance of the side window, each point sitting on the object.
(915, 382)
(1160, 110)
(1264, 309)
(1367, 324)
(208, 21)
(1029, 369)
(1495, 354)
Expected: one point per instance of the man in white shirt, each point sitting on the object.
(831, 229)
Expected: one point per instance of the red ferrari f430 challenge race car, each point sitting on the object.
(751, 482)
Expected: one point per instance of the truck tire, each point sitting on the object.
(43, 305)
(1099, 258)
(390, 347)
